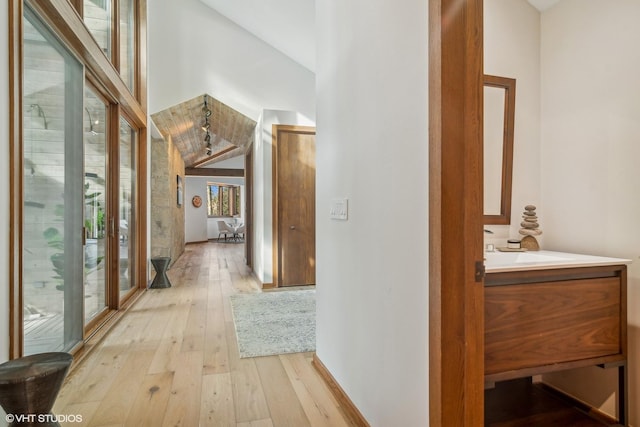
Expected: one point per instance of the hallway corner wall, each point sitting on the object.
(257, 202)
(372, 145)
(167, 219)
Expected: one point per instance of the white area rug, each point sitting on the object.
(275, 322)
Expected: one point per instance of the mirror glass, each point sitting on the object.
(493, 141)
(499, 113)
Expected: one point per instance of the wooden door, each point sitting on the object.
(294, 205)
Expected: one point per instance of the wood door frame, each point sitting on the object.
(275, 197)
(16, 167)
(248, 206)
(456, 304)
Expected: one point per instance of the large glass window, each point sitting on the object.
(127, 43)
(99, 19)
(98, 16)
(75, 172)
(52, 277)
(223, 200)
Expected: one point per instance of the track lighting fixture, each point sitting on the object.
(206, 126)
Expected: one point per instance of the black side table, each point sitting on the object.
(160, 264)
(29, 387)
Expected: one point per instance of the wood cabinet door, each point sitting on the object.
(542, 325)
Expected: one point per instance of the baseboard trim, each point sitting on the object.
(263, 286)
(347, 406)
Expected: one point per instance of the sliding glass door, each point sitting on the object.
(78, 129)
(126, 202)
(52, 214)
(95, 206)
(78, 219)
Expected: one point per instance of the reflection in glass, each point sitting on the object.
(127, 43)
(95, 160)
(494, 101)
(126, 208)
(97, 18)
(52, 277)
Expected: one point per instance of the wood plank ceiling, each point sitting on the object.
(231, 132)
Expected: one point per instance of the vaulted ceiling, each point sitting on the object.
(231, 132)
(289, 25)
(286, 25)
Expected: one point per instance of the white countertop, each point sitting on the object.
(496, 262)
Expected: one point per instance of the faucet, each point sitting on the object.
(489, 247)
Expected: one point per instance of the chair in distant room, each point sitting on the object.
(223, 228)
(240, 232)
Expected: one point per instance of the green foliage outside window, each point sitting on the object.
(223, 200)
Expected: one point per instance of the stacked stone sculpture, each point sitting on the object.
(530, 229)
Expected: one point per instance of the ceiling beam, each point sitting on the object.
(214, 172)
(212, 158)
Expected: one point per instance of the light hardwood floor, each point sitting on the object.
(172, 360)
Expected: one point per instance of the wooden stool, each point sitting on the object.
(29, 387)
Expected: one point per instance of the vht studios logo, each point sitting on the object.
(42, 418)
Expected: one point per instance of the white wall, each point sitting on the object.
(512, 49)
(208, 53)
(258, 207)
(198, 226)
(372, 148)
(4, 185)
(263, 185)
(590, 154)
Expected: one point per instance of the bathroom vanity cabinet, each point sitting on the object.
(549, 311)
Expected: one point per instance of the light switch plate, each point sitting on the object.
(339, 209)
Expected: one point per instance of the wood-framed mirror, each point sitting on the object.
(499, 117)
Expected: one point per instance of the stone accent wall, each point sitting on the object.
(167, 218)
